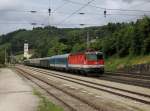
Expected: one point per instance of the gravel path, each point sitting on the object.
(15, 94)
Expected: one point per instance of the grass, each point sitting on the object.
(45, 104)
(114, 63)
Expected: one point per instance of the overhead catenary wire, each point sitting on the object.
(79, 24)
(103, 8)
(141, 4)
(54, 11)
(21, 23)
(83, 13)
(79, 3)
(13, 23)
(94, 13)
(4, 22)
(70, 14)
(77, 11)
(59, 7)
(44, 24)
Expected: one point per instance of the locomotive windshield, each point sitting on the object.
(94, 57)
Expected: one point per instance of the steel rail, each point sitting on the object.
(115, 93)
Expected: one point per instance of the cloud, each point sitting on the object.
(8, 4)
(12, 11)
(129, 1)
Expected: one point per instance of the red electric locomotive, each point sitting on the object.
(87, 62)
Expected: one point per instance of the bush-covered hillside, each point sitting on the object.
(114, 39)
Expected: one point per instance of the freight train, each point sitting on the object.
(89, 62)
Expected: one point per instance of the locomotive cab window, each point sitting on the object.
(94, 57)
(91, 57)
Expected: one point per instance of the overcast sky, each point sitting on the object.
(14, 13)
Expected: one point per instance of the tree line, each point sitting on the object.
(114, 39)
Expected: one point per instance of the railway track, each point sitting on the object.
(137, 80)
(127, 80)
(140, 97)
(76, 101)
(131, 75)
(45, 89)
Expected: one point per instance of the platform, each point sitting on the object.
(15, 93)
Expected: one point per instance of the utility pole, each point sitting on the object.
(11, 58)
(5, 56)
(105, 13)
(49, 12)
(88, 40)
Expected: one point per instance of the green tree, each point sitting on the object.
(56, 48)
(78, 47)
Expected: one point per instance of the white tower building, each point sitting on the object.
(26, 50)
